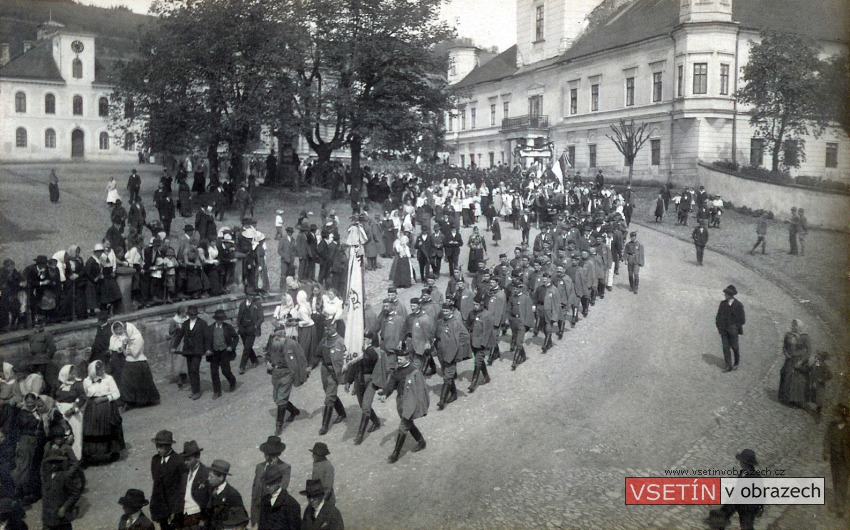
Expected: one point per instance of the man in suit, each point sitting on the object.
(286, 251)
(424, 252)
(249, 322)
(319, 513)
(451, 247)
(312, 252)
(278, 509)
(167, 467)
(634, 259)
(730, 322)
(224, 340)
(134, 518)
(61, 487)
(196, 490)
(134, 184)
(197, 342)
(225, 506)
(272, 448)
(700, 237)
(525, 225)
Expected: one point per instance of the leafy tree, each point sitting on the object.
(783, 91)
(835, 85)
(629, 139)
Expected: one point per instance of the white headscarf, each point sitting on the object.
(65, 377)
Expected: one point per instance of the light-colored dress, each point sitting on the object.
(112, 192)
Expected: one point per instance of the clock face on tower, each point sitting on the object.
(77, 46)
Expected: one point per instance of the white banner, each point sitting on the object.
(354, 321)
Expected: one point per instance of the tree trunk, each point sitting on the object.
(777, 145)
(212, 156)
(323, 162)
(631, 169)
(356, 146)
(236, 163)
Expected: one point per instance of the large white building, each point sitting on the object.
(54, 100)
(673, 64)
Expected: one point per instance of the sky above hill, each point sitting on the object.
(487, 22)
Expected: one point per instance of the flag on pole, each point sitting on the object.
(354, 321)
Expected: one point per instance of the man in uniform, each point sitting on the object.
(452, 344)
(604, 255)
(634, 259)
(549, 307)
(569, 300)
(286, 363)
(411, 403)
(436, 295)
(483, 338)
(369, 375)
(496, 302)
(390, 329)
(419, 332)
(332, 355)
(521, 320)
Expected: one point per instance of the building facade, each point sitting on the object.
(54, 101)
(671, 64)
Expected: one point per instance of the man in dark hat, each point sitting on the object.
(549, 309)
(411, 403)
(419, 330)
(730, 322)
(100, 345)
(193, 484)
(302, 250)
(700, 237)
(319, 513)
(224, 340)
(332, 354)
(323, 469)
(167, 469)
(286, 251)
(312, 252)
(134, 518)
(482, 339)
(288, 367)
(278, 509)
(521, 319)
(226, 509)
(453, 346)
(836, 449)
(633, 254)
(61, 488)
(747, 513)
(197, 342)
(249, 322)
(496, 304)
(272, 448)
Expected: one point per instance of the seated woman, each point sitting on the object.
(793, 377)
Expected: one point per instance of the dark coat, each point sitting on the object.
(249, 319)
(197, 341)
(700, 236)
(453, 341)
(167, 492)
(227, 509)
(327, 519)
(201, 489)
(286, 249)
(231, 338)
(257, 495)
(452, 244)
(424, 247)
(141, 523)
(62, 490)
(285, 514)
(730, 318)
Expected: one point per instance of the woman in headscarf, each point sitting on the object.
(196, 281)
(103, 436)
(7, 385)
(401, 271)
(70, 400)
(282, 311)
(303, 313)
(53, 187)
(793, 377)
(135, 380)
(29, 451)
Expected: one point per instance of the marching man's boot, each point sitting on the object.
(561, 325)
(278, 426)
(452, 397)
(376, 422)
(474, 383)
(485, 374)
(293, 411)
(515, 359)
(420, 440)
(361, 431)
(340, 409)
(326, 419)
(399, 443)
(443, 393)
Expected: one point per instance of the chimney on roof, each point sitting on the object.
(5, 54)
(27, 45)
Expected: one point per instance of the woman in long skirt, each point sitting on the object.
(110, 293)
(401, 272)
(332, 311)
(70, 400)
(477, 247)
(29, 451)
(793, 376)
(496, 229)
(136, 381)
(209, 256)
(103, 435)
(53, 187)
(184, 198)
(303, 313)
(112, 192)
(195, 278)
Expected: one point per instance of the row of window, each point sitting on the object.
(535, 103)
(76, 105)
(791, 154)
(21, 139)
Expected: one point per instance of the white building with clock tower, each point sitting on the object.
(54, 101)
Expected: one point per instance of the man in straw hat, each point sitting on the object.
(167, 468)
(747, 513)
(730, 322)
(226, 509)
(288, 366)
(134, 518)
(278, 509)
(411, 403)
(194, 485)
(224, 341)
(836, 448)
(320, 513)
(272, 448)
